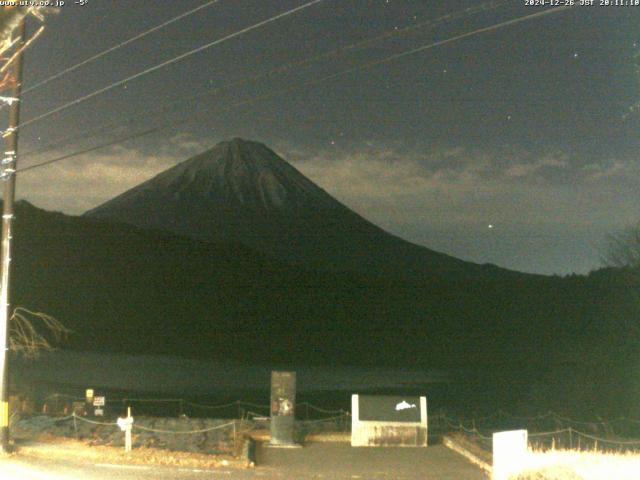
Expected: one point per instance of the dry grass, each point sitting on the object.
(580, 465)
(50, 446)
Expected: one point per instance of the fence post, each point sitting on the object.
(570, 438)
(127, 437)
(235, 439)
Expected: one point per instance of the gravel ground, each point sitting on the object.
(330, 461)
(316, 460)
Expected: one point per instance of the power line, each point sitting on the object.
(367, 65)
(88, 150)
(413, 51)
(168, 62)
(118, 46)
(111, 127)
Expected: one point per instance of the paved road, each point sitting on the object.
(32, 468)
(315, 461)
(341, 461)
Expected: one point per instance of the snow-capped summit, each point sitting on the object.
(237, 172)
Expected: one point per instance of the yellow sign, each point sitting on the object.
(89, 395)
(4, 414)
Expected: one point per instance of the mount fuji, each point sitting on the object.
(242, 191)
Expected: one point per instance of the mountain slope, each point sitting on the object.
(242, 191)
(121, 288)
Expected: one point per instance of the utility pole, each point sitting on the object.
(8, 177)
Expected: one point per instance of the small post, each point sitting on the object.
(235, 439)
(127, 432)
(570, 439)
(126, 424)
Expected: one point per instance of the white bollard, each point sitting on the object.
(125, 425)
(509, 453)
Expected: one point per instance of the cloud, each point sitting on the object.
(456, 186)
(611, 170)
(393, 186)
(537, 166)
(79, 184)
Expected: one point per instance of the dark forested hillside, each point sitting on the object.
(123, 289)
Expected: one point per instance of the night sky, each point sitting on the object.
(515, 146)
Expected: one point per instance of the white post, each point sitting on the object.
(127, 439)
(126, 425)
(509, 453)
(127, 433)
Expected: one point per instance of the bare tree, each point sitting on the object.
(623, 249)
(32, 332)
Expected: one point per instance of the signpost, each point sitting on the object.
(99, 403)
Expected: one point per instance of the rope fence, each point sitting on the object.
(93, 422)
(237, 408)
(233, 424)
(572, 439)
(230, 440)
(551, 421)
(561, 438)
(547, 430)
(184, 432)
